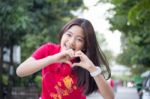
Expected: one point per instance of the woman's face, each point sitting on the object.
(73, 38)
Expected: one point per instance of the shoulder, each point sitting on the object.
(49, 45)
(52, 46)
(46, 49)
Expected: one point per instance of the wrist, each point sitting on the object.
(92, 69)
(95, 71)
(55, 58)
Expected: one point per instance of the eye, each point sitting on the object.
(68, 34)
(79, 40)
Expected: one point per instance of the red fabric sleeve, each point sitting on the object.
(40, 52)
(46, 50)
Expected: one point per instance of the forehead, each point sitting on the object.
(76, 30)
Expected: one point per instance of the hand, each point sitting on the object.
(65, 56)
(85, 62)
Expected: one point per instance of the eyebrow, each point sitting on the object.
(69, 31)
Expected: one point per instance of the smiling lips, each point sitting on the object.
(68, 47)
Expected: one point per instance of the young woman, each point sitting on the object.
(73, 68)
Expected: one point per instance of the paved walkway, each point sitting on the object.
(122, 93)
(126, 93)
(94, 96)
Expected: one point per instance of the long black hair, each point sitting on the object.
(94, 53)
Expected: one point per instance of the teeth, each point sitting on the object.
(67, 47)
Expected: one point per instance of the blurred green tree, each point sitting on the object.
(29, 23)
(131, 18)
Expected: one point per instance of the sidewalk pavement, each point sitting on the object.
(122, 93)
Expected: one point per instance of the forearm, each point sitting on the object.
(32, 65)
(103, 86)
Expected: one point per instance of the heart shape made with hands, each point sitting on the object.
(73, 60)
(70, 57)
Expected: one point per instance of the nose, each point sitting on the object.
(72, 42)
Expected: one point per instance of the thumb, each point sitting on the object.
(68, 62)
(75, 64)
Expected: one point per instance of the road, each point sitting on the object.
(122, 93)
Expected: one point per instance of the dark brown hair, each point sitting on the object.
(94, 53)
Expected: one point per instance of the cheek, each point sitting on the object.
(62, 42)
(62, 39)
(80, 46)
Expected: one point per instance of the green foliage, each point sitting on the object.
(47, 16)
(131, 18)
(34, 18)
(13, 22)
(5, 79)
(139, 12)
(29, 23)
(38, 80)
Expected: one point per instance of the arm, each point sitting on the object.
(31, 65)
(86, 63)
(103, 86)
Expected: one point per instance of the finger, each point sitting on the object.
(79, 53)
(68, 62)
(71, 53)
(76, 64)
(68, 57)
(65, 58)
